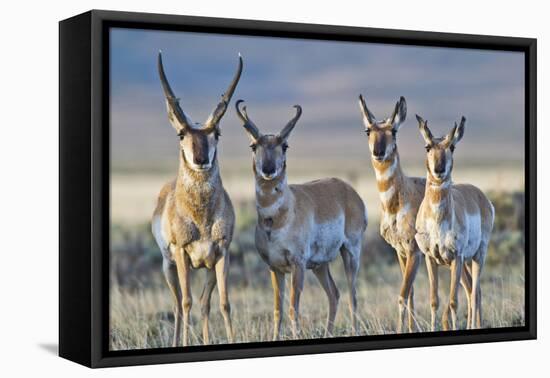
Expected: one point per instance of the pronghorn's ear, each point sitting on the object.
(458, 131)
(285, 133)
(368, 117)
(424, 130)
(399, 113)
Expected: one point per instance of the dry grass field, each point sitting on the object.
(140, 302)
(142, 318)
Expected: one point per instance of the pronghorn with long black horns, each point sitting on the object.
(194, 219)
(454, 226)
(304, 226)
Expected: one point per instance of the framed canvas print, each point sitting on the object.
(234, 188)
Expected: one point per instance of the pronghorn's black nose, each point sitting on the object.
(268, 169)
(200, 148)
(379, 150)
(200, 159)
(439, 168)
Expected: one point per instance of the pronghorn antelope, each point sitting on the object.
(454, 226)
(303, 226)
(400, 197)
(194, 218)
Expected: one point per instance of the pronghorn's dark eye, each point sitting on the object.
(285, 147)
(181, 135)
(253, 147)
(367, 131)
(428, 148)
(217, 133)
(452, 148)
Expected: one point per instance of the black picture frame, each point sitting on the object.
(84, 187)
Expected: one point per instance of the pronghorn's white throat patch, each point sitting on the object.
(386, 196)
(271, 210)
(388, 173)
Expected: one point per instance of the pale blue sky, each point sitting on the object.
(325, 77)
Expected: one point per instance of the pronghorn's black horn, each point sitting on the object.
(174, 110)
(168, 93)
(247, 123)
(290, 125)
(218, 113)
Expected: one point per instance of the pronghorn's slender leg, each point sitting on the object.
(411, 267)
(445, 318)
(410, 300)
(171, 276)
(433, 278)
(333, 285)
(297, 285)
(456, 274)
(479, 306)
(402, 264)
(413, 324)
(206, 294)
(351, 267)
(466, 281)
(323, 275)
(278, 283)
(411, 312)
(477, 267)
(222, 267)
(183, 267)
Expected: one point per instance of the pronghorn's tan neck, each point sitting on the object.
(273, 201)
(389, 179)
(438, 196)
(198, 193)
